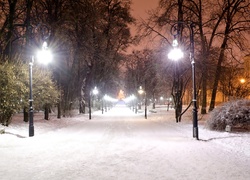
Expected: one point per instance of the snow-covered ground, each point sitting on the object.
(121, 145)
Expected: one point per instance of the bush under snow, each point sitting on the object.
(236, 114)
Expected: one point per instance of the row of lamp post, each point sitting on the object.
(104, 101)
(132, 99)
(45, 57)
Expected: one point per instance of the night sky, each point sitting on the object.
(141, 6)
(139, 10)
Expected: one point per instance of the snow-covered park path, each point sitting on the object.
(122, 145)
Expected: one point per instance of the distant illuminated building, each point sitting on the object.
(121, 95)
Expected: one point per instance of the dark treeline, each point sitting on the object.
(221, 38)
(87, 38)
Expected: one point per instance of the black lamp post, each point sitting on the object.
(195, 113)
(31, 113)
(176, 54)
(44, 56)
(105, 102)
(141, 91)
(90, 105)
(95, 92)
(146, 116)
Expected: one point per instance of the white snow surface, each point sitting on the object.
(121, 145)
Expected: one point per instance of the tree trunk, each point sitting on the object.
(204, 73)
(204, 86)
(59, 110)
(46, 112)
(218, 73)
(10, 27)
(177, 91)
(25, 114)
(204, 97)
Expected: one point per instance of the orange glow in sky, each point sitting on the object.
(140, 7)
(139, 11)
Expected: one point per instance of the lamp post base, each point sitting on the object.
(31, 131)
(196, 133)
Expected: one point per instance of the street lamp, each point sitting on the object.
(106, 99)
(109, 101)
(176, 54)
(94, 92)
(133, 98)
(104, 102)
(141, 91)
(242, 80)
(133, 102)
(43, 56)
(102, 105)
(130, 101)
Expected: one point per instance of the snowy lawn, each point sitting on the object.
(121, 145)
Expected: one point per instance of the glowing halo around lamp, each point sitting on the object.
(44, 56)
(242, 80)
(175, 54)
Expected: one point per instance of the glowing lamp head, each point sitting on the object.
(44, 56)
(175, 54)
(140, 91)
(95, 91)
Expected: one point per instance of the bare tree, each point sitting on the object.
(234, 82)
(234, 22)
(223, 23)
(7, 36)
